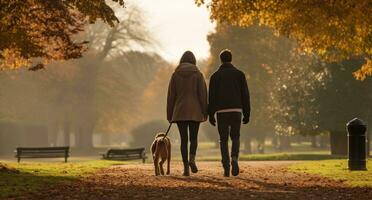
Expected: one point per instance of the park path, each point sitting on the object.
(258, 180)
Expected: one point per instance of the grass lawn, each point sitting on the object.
(34, 175)
(336, 169)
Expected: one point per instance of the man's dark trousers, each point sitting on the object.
(229, 125)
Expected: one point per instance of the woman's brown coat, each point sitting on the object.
(187, 95)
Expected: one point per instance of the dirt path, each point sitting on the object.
(258, 180)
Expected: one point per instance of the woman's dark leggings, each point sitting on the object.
(193, 130)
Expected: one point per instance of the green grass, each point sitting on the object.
(35, 175)
(279, 156)
(336, 169)
(207, 145)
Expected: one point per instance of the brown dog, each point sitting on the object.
(161, 152)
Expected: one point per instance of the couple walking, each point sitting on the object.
(187, 106)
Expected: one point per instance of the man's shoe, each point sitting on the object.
(186, 173)
(234, 168)
(226, 173)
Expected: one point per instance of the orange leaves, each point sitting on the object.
(44, 29)
(364, 71)
(335, 30)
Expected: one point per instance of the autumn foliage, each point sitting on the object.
(34, 32)
(334, 30)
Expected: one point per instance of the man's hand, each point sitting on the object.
(245, 120)
(212, 120)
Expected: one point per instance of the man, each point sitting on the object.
(229, 98)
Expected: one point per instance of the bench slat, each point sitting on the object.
(42, 152)
(42, 156)
(125, 154)
(43, 148)
(38, 151)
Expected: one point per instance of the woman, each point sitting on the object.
(187, 106)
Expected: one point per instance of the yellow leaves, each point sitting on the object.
(12, 59)
(364, 71)
(335, 30)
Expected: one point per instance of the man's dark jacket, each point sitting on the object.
(228, 89)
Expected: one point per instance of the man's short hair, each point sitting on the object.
(226, 56)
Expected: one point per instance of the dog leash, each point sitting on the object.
(169, 127)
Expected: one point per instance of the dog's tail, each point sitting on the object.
(160, 135)
(160, 143)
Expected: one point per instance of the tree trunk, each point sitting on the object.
(314, 143)
(275, 142)
(261, 145)
(323, 141)
(66, 133)
(338, 140)
(85, 138)
(52, 134)
(284, 142)
(248, 145)
(105, 140)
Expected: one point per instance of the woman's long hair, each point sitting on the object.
(188, 57)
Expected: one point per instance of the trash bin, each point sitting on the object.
(356, 129)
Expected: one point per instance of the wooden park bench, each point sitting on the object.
(42, 152)
(125, 154)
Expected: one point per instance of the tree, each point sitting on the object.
(154, 97)
(259, 54)
(341, 99)
(107, 43)
(144, 134)
(75, 93)
(294, 107)
(333, 30)
(319, 98)
(41, 31)
(55, 97)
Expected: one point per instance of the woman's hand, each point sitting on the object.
(212, 120)
(245, 120)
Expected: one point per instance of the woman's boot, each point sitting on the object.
(186, 169)
(194, 168)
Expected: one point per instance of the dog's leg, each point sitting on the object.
(153, 149)
(169, 158)
(155, 157)
(156, 164)
(161, 166)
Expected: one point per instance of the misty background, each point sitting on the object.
(115, 96)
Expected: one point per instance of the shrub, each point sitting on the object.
(143, 135)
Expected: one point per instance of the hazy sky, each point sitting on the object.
(178, 25)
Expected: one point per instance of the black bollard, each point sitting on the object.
(357, 144)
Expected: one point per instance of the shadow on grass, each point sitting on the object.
(261, 190)
(14, 184)
(33, 176)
